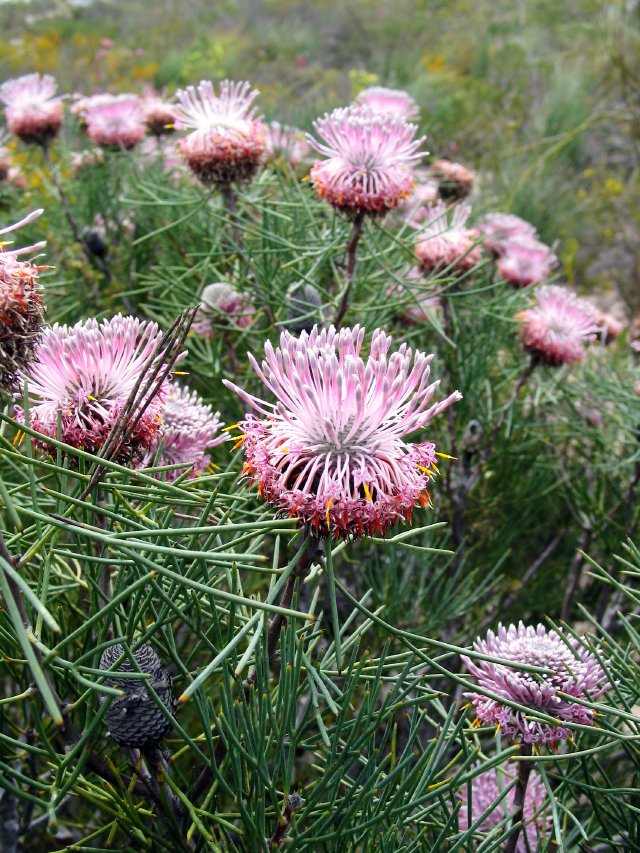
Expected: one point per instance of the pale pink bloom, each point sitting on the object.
(393, 102)
(16, 178)
(369, 160)
(219, 301)
(416, 208)
(85, 373)
(455, 181)
(33, 113)
(499, 229)
(227, 142)
(574, 671)
(116, 121)
(558, 325)
(189, 428)
(285, 143)
(107, 44)
(445, 241)
(488, 787)
(610, 327)
(160, 114)
(526, 261)
(331, 449)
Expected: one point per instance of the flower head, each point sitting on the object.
(488, 787)
(331, 450)
(558, 325)
(369, 160)
(227, 142)
(21, 311)
(526, 261)
(285, 143)
(499, 229)
(160, 115)
(32, 111)
(85, 373)
(189, 427)
(455, 181)
(573, 671)
(445, 241)
(219, 301)
(116, 121)
(393, 102)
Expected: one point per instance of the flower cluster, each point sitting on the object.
(227, 141)
(32, 111)
(445, 241)
(369, 160)
(572, 670)
(83, 375)
(285, 143)
(219, 301)
(332, 449)
(115, 121)
(558, 325)
(523, 259)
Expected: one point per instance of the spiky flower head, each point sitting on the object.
(33, 114)
(160, 115)
(393, 102)
(285, 143)
(488, 787)
(116, 121)
(219, 302)
(227, 141)
(455, 181)
(331, 450)
(189, 428)
(526, 261)
(134, 719)
(558, 325)
(445, 241)
(499, 229)
(21, 311)
(369, 160)
(573, 670)
(84, 374)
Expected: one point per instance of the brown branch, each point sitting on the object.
(524, 771)
(352, 246)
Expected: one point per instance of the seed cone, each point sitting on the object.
(134, 719)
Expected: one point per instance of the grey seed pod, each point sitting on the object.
(94, 241)
(473, 435)
(134, 719)
(304, 307)
(294, 803)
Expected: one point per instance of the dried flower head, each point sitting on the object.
(84, 375)
(499, 229)
(393, 102)
(116, 121)
(526, 261)
(189, 428)
(488, 787)
(455, 181)
(445, 241)
(227, 142)
(159, 113)
(33, 113)
(221, 302)
(558, 325)
(369, 160)
(21, 311)
(331, 450)
(573, 670)
(285, 143)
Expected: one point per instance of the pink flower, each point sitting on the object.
(33, 113)
(488, 787)
(21, 311)
(393, 102)
(219, 301)
(526, 261)
(115, 121)
(331, 449)
(369, 160)
(445, 241)
(189, 427)
(16, 178)
(610, 327)
(160, 114)
(86, 373)
(499, 229)
(227, 142)
(558, 325)
(86, 159)
(286, 143)
(416, 208)
(574, 671)
(455, 181)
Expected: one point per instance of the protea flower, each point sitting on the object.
(558, 325)
(189, 428)
(393, 102)
(227, 142)
(285, 143)
(160, 115)
(526, 261)
(369, 160)
(500, 229)
(487, 788)
(84, 374)
(574, 671)
(416, 209)
(445, 241)
(116, 121)
(219, 301)
(331, 450)
(21, 311)
(455, 181)
(33, 113)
